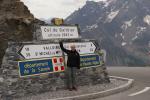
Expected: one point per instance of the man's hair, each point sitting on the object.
(72, 46)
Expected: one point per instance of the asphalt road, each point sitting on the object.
(141, 87)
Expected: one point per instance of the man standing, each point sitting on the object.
(73, 63)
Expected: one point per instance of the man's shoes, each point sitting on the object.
(70, 89)
(74, 88)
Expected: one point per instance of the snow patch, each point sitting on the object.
(92, 26)
(127, 24)
(123, 43)
(123, 37)
(88, 28)
(121, 34)
(147, 19)
(140, 30)
(111, 16)
(69, 19)
(107, 2)
(98, 19)
(134, 38)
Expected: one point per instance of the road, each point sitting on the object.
(141, 87)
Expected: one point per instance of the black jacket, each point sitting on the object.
(73, 57)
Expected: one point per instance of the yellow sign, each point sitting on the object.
(57, 21)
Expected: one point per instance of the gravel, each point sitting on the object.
(81, 90)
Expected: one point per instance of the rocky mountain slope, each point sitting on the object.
(122, 27)
(15, 23)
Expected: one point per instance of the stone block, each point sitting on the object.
(1, 79)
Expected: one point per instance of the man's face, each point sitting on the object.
(73, 48)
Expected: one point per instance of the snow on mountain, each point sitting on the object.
(147, 19)
(121, 26)
(107, 2)
(134, 38)
(127, 24)
(90, 28)
(140, 30)
(111, 16)
(123, 43)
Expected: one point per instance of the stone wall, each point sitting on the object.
(11, 85)
(16, 23)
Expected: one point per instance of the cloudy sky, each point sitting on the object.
(54, 8)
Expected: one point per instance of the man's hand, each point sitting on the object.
(79, 67)
(61, 43)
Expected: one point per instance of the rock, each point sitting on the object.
(1, 80)
(16, 23)
(12, 80)
(27, 21)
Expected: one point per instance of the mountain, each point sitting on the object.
(122, 28)
(16, 23)
(47, 21)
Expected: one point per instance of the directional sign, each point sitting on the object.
(52, 50)
(35, 67)
(82, 47)
(55, 32)
(41, 66)
(40, 51)
(89, 60)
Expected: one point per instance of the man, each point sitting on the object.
(73, 63)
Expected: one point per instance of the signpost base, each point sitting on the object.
(32, 85)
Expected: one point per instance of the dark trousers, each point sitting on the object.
(71, 77)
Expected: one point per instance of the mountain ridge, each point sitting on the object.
(121, 27)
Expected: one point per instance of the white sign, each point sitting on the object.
(82, 47)
(51, 50)
(55, 32)
(41, 51)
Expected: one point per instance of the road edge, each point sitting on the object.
(108, 92)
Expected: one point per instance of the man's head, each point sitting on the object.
(73, 47)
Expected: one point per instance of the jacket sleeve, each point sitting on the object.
(78, 60)
(62, 48)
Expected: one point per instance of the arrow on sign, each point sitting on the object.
(52, 50)
(82, 47)
(40, 51)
